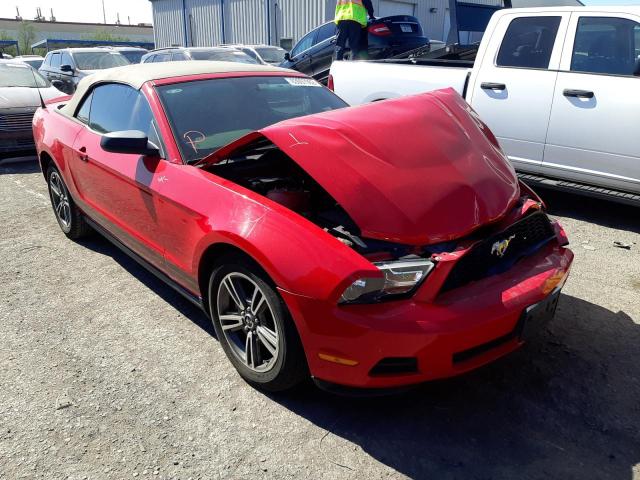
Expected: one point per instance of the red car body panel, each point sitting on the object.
(428, 174)
(171, 214)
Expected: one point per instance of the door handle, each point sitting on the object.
(83, 154)
(578, 93)
(493, 86)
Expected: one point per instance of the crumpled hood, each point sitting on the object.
(20, 97)
(416, 170)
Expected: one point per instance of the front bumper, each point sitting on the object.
(21, 141)
(458, 331)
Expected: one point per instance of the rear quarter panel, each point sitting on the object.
(54, 135)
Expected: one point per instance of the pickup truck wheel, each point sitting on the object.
(67, 213)
(254, 326)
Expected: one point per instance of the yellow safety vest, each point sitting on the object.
(351, 10)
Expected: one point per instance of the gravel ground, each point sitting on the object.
(107, 373)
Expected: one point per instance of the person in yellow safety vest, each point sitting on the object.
(351, 18)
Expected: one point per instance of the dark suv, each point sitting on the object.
(385, 37)
(65, 68)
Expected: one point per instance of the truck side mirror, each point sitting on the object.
(66, 68)
(287, 57)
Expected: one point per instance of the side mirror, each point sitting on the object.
(287, 57)
(59, 84)
(129, 141)
(636, 70)
(66, 68)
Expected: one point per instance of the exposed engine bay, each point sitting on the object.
(266, 170)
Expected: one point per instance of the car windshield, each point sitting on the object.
(271, 55)
(133, 56)
(20, 75)
(99, 60)
(208, 114)
(222, 56)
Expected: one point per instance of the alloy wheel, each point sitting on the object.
(60, 200)
(248, 322)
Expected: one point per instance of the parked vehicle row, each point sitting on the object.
(217, 54)
(559, 87)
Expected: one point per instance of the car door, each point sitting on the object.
(120, 191)
(301, 54)
(67, 76)
(324, 50)
(593, 130)
(512, 88)
(53, 70)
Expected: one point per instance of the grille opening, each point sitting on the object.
(395, 366)
(525, 237)
(471, 353)
(16, 121)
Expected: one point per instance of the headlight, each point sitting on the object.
(401, 278)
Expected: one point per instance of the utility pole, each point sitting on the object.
(104, 13)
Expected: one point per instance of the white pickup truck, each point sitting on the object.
(559, 87)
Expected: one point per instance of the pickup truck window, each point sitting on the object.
(529, 42)
(55, 60)
(606, 45)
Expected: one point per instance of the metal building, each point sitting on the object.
(277, 22)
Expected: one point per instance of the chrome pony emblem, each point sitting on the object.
(500, 248)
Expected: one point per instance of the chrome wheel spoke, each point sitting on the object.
(268, 338)
(258, 302)
(252, 351)
(233, 293)
(231, 322)
(55, 188)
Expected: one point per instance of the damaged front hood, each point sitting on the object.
(415, 170)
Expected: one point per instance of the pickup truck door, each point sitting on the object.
(593, 130)
(513, 82)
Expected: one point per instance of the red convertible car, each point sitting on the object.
(377, 246)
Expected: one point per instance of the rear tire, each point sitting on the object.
(254, 326)
(68, 215)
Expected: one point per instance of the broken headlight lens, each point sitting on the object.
(401, 277)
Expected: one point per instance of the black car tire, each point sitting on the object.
(68, 215)
(289, 366)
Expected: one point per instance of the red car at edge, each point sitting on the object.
(377, 246)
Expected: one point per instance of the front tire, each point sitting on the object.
(68, 215)
(254, 326)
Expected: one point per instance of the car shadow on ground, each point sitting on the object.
(592, 210)
(98, 244)
(564, 406)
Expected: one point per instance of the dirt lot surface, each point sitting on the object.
(107, 373)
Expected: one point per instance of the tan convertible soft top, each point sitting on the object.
(138, 75)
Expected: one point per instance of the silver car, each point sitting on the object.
(22, 91)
